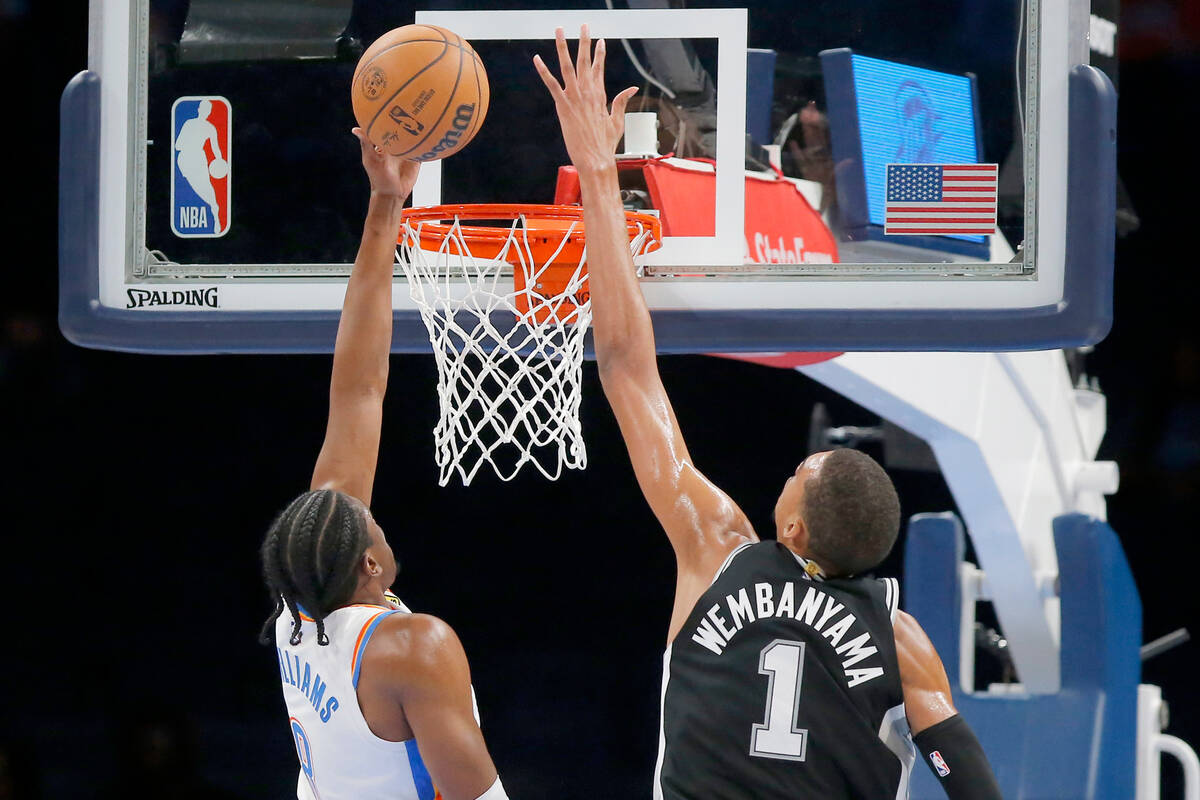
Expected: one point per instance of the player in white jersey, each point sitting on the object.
(379, 699)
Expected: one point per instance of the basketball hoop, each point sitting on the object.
(506, 307)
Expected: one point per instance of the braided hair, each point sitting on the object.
(310, 556)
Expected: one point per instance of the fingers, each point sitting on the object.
(361, 135)
(598, 62)
(369, 149)
(598, 70)
(620, 101)
(583, 78)
(583, 58)
(564, 61)
(551, 82)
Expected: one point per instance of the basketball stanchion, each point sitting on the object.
(506, 308)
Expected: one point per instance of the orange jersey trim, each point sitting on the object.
(358, 642)
(306, 618)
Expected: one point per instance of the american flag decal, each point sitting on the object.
(940, 199)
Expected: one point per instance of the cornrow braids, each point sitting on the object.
(309, 557)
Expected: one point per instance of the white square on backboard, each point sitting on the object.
(727, 26)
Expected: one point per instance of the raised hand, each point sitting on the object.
(590, 130)
(389, 175)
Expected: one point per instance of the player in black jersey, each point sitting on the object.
(787, 674)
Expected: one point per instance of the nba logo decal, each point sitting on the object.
(406, 120)
(201, 167)
(939, 763)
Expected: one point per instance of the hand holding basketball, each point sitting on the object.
(218, 168)
(389, 175)
(590, 131)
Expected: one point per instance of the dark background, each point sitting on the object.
(138, 489)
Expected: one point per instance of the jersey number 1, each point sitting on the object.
(778, 737)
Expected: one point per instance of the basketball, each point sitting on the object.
(420, 92)
(219, 168)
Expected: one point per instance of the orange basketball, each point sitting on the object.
(420, 92)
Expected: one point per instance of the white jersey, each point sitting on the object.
(340, 758)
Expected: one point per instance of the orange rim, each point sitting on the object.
(556, 255)
(544, 239)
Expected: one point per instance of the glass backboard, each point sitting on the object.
(868, 175)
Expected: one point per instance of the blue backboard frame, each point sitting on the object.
(1082, 316)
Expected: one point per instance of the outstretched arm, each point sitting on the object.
(364, 338)
(701, 521)
(960, 763)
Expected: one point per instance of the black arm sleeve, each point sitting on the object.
(951, 750)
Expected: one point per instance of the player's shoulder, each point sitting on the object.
(908, 630)
(412, 641)
(885, 591)
(414, 653)
(760, 548)
(770, 554)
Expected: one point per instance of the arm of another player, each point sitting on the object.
(935, 723)
(427, 667)
(701, 521)
(364, 338)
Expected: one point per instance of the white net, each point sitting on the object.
(509, 359)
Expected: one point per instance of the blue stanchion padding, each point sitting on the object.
(760, 91)
(1079, 743)
(1101, 639)
(933, 549)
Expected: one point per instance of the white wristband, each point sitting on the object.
(494, 793)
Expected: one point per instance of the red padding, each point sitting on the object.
(782, 360)
(781, 227)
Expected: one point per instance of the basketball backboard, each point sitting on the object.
(855, 105)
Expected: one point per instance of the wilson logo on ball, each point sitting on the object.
(462, 121)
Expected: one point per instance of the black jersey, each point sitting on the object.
(781, 685)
